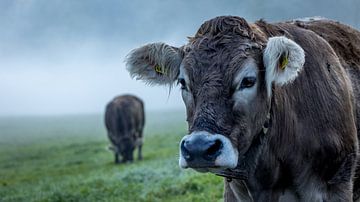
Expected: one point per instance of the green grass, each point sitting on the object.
(64, 158)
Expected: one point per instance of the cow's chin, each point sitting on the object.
(210, 168)
(227, 159)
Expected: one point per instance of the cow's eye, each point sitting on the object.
(182, 82)
(248, 82)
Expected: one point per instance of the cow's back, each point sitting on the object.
(344, 39)
(124, 117)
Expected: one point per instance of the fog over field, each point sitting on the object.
(67, 56)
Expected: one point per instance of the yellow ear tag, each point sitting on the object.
(158, 69)
(284, 61)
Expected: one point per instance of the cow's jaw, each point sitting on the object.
(205, 152)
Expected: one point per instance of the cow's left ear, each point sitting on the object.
(283, 60)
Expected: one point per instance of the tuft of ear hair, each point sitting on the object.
(156, 63)
(283, 60)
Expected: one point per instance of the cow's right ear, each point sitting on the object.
(156, 63)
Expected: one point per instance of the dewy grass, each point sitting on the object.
(65, 159)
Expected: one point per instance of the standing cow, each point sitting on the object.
(124, 121)
(277, 103)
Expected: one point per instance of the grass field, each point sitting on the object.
(64, 158)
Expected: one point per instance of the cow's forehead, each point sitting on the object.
(210, 57)
(222, 39)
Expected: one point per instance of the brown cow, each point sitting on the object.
(124, 121)
(272, 107)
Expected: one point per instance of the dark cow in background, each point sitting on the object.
(274, 108)
(124, 121)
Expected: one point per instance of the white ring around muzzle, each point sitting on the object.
(228, 157)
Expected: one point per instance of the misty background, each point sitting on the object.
(67, 56)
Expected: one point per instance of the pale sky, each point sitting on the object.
(67, 56)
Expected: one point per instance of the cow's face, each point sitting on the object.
(225, 73)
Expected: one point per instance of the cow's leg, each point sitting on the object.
(319, 192)
(116, 158)
(131, 155)
(139, 142)
(128, 155)
(124, 158)
(139, 152)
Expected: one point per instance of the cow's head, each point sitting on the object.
(226, 73)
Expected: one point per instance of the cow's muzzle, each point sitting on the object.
(204, 151)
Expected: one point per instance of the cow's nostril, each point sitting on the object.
(214, 150)
(185, 152)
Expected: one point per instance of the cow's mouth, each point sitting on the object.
(231, 173)
(227, 172)
(206, 152)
